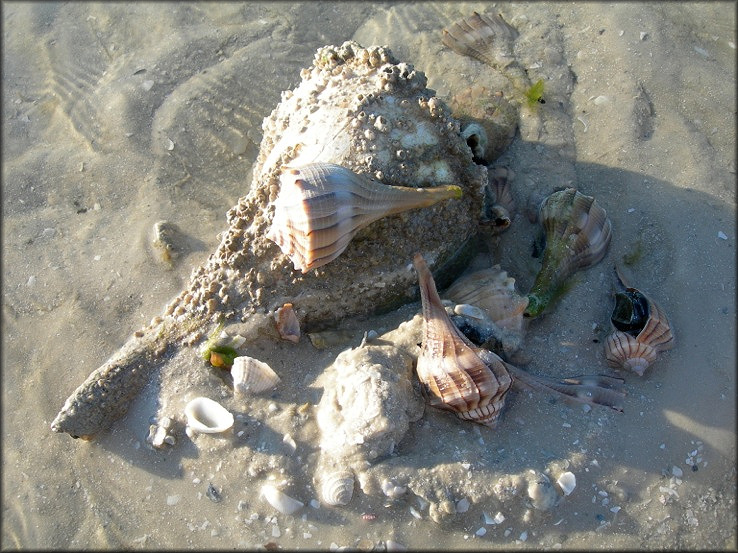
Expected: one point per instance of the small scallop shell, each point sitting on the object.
(281, 501)
(484, 37)
(251, 376)
(578, 233)
(337, 488)
(641, 331)
(455, 374)
(287, 324)
(321, 206)
(206, 416)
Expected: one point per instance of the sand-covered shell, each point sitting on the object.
(488, 121)
(485, 37)
(206, 416)
(455, 374)
(493, 291)
(641, 331)
(578, 233)
(337, 488)
(251, 376)
(321, 206)
(287, 323)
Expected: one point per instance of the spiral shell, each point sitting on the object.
(321, 206)
(578, 233)
(641, 331)
(456, 375)
(251, 376)
(337, 488)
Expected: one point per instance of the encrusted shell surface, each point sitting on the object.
(488, 121)
(641, 331)
(578, 233)
(251, 376)
(456, 375)
(206, 416)
(337, 487)
(321, 207)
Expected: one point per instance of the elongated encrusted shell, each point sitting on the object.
(578, 233)
(641, 331)
(321, 206)
(453, 375)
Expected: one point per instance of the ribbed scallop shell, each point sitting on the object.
(321, 206)
(578, 233)
(456, 375)
(641, 331)
(251, 376)
(494, 292)
(485, 37)
(337, 488)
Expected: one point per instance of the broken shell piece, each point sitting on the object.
(338, 488)
(321, 206)
(287, 324)
(641, 331)
(281, 501)
(251, 376)
(205, 416)
(392, 490)
(578, 233)
(567, 482)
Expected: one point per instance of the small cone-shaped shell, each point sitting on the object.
(641, 331)
(455, 374)
(251, 376)
(485, 37)
(494, 292)
(578, 233)
(321, 206)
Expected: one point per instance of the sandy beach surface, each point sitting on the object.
(119, 115)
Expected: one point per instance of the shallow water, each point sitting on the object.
(116, 116)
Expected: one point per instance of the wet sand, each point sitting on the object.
(117, 116)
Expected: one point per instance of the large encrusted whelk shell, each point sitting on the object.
(337, 487)
(206, 416)
(251, 376)
(641, 331)
(450, 369)
(578, 233)
(321, 206)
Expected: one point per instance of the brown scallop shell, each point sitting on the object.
(484, 37)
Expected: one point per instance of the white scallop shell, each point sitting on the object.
(338, 488)
(280, 501)
(206, 416)
(251, 376)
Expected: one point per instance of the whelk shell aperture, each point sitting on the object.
(578, 233)
(641, 331)
(450, 368)
(321, 206)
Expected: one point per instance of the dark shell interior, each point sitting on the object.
(631, 312)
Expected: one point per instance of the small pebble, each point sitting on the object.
(462, 505)
(722, 235)
(676, 471)
(524, 535)
(213, 493)
(643, 35)
(173, 499)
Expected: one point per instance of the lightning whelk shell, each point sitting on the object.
(337, 488)
(251, 376)
(205, 416)
(321, 206)
(456, 375)
(641, 331)
(578, 233)
(281, 501)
